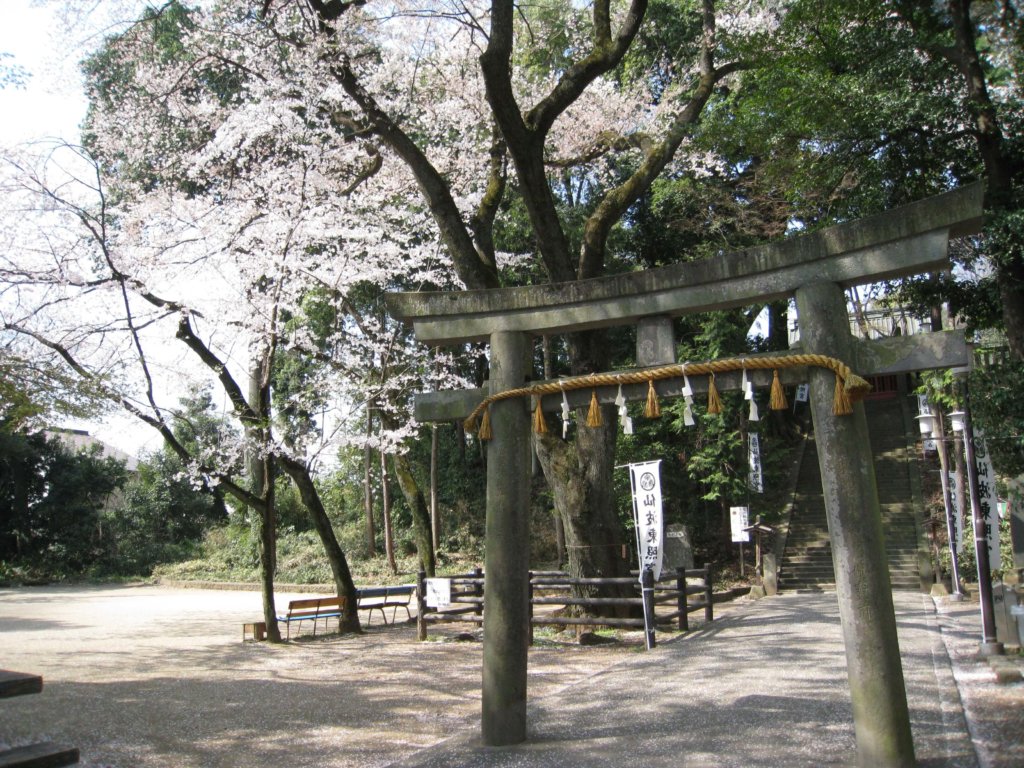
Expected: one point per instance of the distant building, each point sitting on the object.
(79, 440)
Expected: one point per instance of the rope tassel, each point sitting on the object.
(855, 387)
(485, 426)
(714, 399)
(594, 414)
(841, 405)
(540, 424)
(778, 396)
(652, 409)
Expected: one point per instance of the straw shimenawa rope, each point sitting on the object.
(849, 386)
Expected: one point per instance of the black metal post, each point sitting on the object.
(990, 646)
(682, 600)
(647, 591)
(709, 595)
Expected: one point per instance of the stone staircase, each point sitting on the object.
(807, 561)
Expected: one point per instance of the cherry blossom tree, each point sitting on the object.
(247, 155)
(573, 111)
(206, 209)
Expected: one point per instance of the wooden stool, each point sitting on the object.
(258, 630)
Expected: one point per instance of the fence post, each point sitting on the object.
(681, 600)
(421, 605)
(709, 594)
(478, 589)
(529, 604)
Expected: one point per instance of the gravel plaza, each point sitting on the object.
(157, 676)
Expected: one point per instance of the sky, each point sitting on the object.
(52, 105)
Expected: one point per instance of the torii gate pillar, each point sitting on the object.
(507, 553)
(880, 715)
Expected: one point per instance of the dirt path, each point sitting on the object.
(151, 676)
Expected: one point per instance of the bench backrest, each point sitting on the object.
(403, 590)
(315, 606)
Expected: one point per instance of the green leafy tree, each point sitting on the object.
(52, 503)
(166, 508)
(870, 105)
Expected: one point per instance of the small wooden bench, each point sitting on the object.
(380, 598)
(19, 684)
(312, 609)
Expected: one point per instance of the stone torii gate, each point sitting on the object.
(815, 269)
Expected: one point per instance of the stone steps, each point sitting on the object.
(807, 561)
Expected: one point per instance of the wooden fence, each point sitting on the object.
(553, 589)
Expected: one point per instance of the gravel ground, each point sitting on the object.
(995, 712)
(150, 676)
(153, 676)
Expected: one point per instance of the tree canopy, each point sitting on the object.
(254, 175)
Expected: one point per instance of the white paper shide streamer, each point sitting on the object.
(625, 420)
(748, 394)
(565, 415)
(687, 400)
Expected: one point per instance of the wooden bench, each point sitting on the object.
(380, 598)
(312, 609)
(44, 754)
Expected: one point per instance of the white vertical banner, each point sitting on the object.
(803, 393)
(755, 479)
(987, 500)
(645, 480)
(739, 518)
(956, 497)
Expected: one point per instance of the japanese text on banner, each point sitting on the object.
(645, 480)
(739, 518)
(956, 498)
(987, 500)
(755, 480)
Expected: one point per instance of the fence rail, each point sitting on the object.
(555, 588)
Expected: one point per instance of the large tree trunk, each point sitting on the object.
(343, 582)
(267, 521)
(580, 476)
(420, 516)
(371, 533)
(261, 478)
(389, 530)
